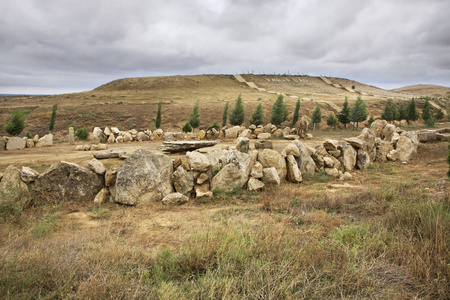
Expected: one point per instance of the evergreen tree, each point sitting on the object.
(214, 125)
(371, 120)
(187, 127)
(158, 116)
(296, 113)
(344, 114)
(279, 111)
(16, 124)
(332, 120)
(358, 112)
(237, 114)
(194, 118)
(225, 115)
(440, 114)
(402, 112)
(316, 116)
(426, 112)
(53, 117)
(257, 116)
(411, 112)
(388, 114)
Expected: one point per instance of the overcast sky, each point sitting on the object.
(55, 46)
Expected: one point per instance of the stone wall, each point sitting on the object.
(147, 176)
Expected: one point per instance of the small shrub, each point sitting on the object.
(214, 125)
(82, 133)
(187, 127)
(16, 124)
(13, 201)
(28, 135)
(47, 225)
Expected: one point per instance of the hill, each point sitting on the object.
(131, 102)
(425, 90)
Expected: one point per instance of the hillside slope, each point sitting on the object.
(425, 90)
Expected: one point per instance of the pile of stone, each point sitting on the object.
(259, 132)
(431, 136)
(147, 176)
(18, 143)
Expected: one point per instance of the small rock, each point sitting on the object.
(175, 199)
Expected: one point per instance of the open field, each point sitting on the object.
(384, 234)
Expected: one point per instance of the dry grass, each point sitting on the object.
(382, 236)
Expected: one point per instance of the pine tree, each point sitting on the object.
(332, 120)
(371, 120)
(225, 115)
(16, 124)
(358, 112)
(388, 113)
(440, 114)
(412, 113)
(53, 117)
(194, 118)
(316, 116)
(237, 114)
(296, 113)
(257, 116)
(187, 127)
(158, 116)
(344, 114)
(402, 112)
(279, 111)
(426, 112)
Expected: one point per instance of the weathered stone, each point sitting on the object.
(232, 133)
(71, 135)
(144, 177)
(12, 178)
(115, 130)
(328, 162)
(330, 145)
(181, 146)
(258, 130)
(236, 172)
(256, 171)
(101, 147)
(356, 143)
(427, 136)
(278, 133)
(382, 150)
(362, 159)
(243, 144)
(292, 137)
(271, 158)
(36, 138)
(442, 137)
(79, 148)
(345, 176)
(102, 196)
(263, 145)
(405, 148)
(96, 166)
(268, 128)
(142, 137)
(2, 144)
(29, 143)
(109, 154)
(202, 178)
(388, 132)
(292, 149)
(183, 181)
(212, 134)
(369, 142)
(175, 199)
(202, 190)
(335, 153)
(15, 143)
(172, 136)
(377, 127)
(201, 135)
(264, 136)
(293, 172)
(110, 176)
(254, 184)
(348, 156)
(187, 136)
(127, 137)
(86, 147)
(119, 139)
(333, 172)
(107, 131)
(245, 133)
(66, 181)
(157, 135)
(46, 140)
(270, 176)
(198, 161)
(286, 131)
(305, 162)
(28, 175)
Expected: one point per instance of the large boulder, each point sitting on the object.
(362, 159)
(369, 142)
(28, 174)
(46, 140)
(292, 149)
(254, 184)
(232, 133)
(243, 144)
(183, 181)
(15, 143)
(99, 136)
(377, 127)
(348, 156)
(144, 177)
(271, 158)
(382, 150)
(264, 144)
(264, 136)
(305, 162)
(236, 172)
(293, 172)
(388, 132)
(65, 181)
(198, 161)
(330, 145)
(12, 177)
(256, 171)
(270, 176)
(96, 166)
(427, 136)
(405, 148)
(142, 137)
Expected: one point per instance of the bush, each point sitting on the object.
(214, 125)
(82, 133)
(16, 124)
(187, 127)
(332, 120)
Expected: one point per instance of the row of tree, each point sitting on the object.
(400, 111)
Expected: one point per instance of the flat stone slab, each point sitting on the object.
(109, 154)
(181, 146)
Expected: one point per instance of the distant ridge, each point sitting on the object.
(425, 90)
